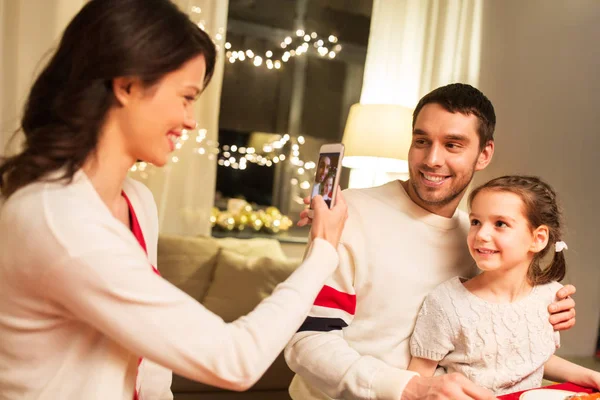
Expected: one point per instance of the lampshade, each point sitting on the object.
(378, 131)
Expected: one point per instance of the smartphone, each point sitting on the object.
(327, 173)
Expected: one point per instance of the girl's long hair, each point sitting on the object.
(69, 100)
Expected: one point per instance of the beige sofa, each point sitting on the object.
(229, 277)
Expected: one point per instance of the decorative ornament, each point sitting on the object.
(226, 221)
(269, 220)
(214, 213)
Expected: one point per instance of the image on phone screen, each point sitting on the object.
(325, 175)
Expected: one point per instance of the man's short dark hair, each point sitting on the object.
(465, 99)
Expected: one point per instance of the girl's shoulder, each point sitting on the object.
(447, 291)
(548, 290)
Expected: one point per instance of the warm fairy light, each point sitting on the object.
(272, 154)
(297, 50)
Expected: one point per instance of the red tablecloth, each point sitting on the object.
(561, 386)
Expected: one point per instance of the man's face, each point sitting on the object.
(443, 156)
(323, 169)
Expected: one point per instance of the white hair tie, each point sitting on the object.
(560, 246)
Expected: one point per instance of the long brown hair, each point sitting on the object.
(69, 100)
(541, 207)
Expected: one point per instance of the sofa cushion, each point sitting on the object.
(241, 282)
(188, 262)
(255, 247)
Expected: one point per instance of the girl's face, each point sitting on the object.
(327, 186)
(152, 119)
(500, 238)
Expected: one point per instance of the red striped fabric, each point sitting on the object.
(332, 298)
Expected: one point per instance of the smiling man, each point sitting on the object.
(401, 240)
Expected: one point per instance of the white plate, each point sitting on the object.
(546, 394)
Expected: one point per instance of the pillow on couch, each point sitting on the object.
(188, 262)
(241, 282)
(255, 247)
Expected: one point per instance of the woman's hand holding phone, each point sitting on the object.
(327, 223)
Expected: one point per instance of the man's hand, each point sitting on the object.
(562, 312)
(445, 387)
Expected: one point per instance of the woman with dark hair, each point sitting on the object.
(82, 308)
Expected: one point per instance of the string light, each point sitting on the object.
(272, 153)
(298, 46)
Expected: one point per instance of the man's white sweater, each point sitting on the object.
(355, 342)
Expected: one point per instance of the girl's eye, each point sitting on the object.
(474, 222)
(501, 224)
(190, 98)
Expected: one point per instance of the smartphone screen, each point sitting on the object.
(326, 176)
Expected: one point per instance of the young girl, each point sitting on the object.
(83, 311)
(328, 187)
(494, 327)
